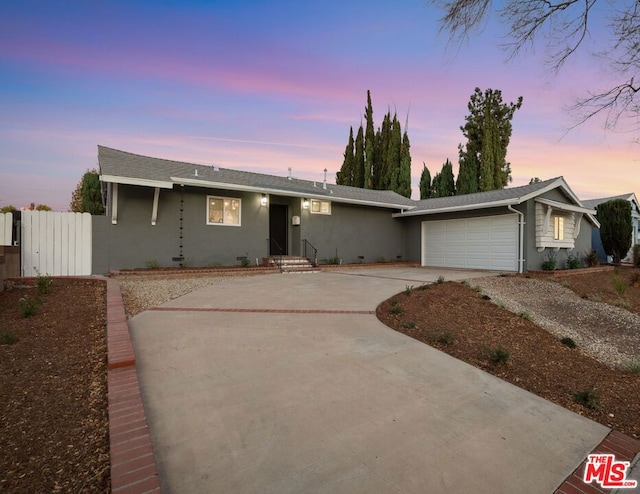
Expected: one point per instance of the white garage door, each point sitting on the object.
(489, 242)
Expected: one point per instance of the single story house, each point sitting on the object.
(596, 241)
(166, 213)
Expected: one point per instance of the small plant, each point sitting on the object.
(550, 262)
(623, 304)
(591, 258)
(445, 338)
(440, 280)
(619, 285)
(525, 315)
(633, 366)
(498, 355)
(395, 308)
(423, 287)
(566, 341)
(245, 263)
(410, 325)
(588, 399)
(28, 306)
(43, 282)
(573, 262)
(152, 264)
(335, 260)
(8, 338)
(408, 289)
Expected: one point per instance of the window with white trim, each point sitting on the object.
(320, 207)
(224, 211)
(558, 228)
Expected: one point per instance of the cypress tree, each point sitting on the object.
(346, 174)
(358, 165)
(425, 183)
(616, 228)
(446, 186)
(404, 172)
(369, 144)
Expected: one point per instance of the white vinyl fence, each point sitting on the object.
(6, 223)
(55, 244)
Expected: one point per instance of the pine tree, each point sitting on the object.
(87, 197)
(488, 131)
(346, 174)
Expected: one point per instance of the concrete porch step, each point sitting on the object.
(291, 264)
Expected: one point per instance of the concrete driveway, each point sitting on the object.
(289, 384)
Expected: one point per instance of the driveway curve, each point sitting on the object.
(290, 384)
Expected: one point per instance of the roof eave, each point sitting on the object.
(454, 209)
(145, 182)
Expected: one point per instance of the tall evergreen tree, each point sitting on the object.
(346, 174)
(616, 228)
(369, 144)
(443, 184)
(358, 164)
(488, 131)
(425, 183)
(87, 197)
(404, 172)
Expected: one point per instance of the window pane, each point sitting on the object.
(232, 211)
(215, 210)
(315, 206)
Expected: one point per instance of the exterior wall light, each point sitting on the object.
(305, 203)
(263, 201)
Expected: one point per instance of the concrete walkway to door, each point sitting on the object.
(290, 384)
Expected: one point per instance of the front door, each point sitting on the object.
(278, 223)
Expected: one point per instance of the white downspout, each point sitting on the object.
(520, 239)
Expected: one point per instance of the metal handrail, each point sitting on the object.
(272, 243)
(306, 247)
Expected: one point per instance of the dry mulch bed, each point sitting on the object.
(54, 433)
(460, 321)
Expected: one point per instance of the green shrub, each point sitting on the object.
(633, 366)
(43, 282)
(591, 259)
(245, 263)
(568, 342)
(28, 306)
(440, 280)
(498, 355)
(8, 338)
(395, 308)
(525, 315)
(619, 285)
(573, 262)
(423, 287)
(152, 264)
(408, 289)
(550, 261)
(445, 338)
(588, 399)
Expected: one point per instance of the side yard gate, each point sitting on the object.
(55, 244)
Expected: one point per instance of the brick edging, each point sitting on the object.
(133, 465)
(624, 448)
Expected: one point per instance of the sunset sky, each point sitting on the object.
(267, 85)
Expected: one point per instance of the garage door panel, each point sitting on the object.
(476, 243)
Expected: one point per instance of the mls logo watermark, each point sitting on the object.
(608, 472)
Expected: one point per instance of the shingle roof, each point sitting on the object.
(123, 167)
(594, 203)
(478, 200)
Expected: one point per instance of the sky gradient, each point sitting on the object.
(267, 85)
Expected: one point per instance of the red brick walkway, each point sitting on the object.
(133, 465)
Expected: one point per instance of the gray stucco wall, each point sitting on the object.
(350, 231)
(355, 233)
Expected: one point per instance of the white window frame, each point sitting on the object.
(558, 227)
(223, 222)
(320, 207)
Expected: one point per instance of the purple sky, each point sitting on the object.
(263, 86)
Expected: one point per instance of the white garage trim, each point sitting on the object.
(486, 242)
